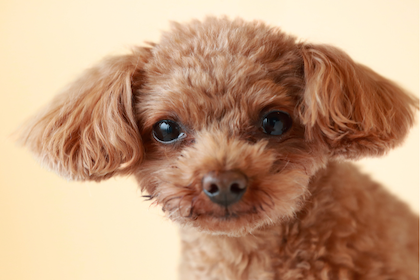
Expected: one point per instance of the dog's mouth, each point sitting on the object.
(235, 220)
(225, 214)
(201, 213)
(198, 207)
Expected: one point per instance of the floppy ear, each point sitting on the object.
(89, 132)
(355, 111)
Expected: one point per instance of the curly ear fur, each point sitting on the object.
(353, 109)
(89, 132)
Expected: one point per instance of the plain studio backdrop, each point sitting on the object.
(54, 229)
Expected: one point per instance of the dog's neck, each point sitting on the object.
(211, 255)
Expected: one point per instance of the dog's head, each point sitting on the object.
(223, 122)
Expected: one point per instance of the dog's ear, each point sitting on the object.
(355, 111)
(89, 132)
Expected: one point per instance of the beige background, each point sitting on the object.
(53, 229)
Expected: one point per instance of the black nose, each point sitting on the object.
(224, 188)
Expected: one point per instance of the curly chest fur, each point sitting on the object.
(267, 254)
(223, 257)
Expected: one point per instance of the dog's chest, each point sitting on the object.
(219, 257)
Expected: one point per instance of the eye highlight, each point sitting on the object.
(167, 131)
(276, 123)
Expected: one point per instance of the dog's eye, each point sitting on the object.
(276, 123)
(167, 131)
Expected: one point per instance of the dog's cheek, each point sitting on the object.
(147, 175)
(287, 191)
(274, 197)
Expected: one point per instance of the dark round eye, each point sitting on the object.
(276, 123)
(167, 131)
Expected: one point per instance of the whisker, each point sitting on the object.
(299, 184)
(268, 205)
(270, 197)
(179, 202)
(287, 163)
(166, 201)
(180, 207)
(154, 203)
(268, 217)
(226, 212)
(192, 206)
(148, 197)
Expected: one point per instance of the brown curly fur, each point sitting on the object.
(304, 215)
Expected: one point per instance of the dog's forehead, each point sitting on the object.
(199, 90)
(217, 69)
(237, 109)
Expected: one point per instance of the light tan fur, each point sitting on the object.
(305, 214)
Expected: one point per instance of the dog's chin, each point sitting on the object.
(231, 223)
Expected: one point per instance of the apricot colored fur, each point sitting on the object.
(306, 213)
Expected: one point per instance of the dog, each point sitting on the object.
(242, 134)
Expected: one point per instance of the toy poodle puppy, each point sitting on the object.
(239, 132)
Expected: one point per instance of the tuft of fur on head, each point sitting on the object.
(217, 79)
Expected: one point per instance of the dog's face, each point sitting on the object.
(223, 123)
(225, 150)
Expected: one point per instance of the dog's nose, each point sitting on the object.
(225, 188)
